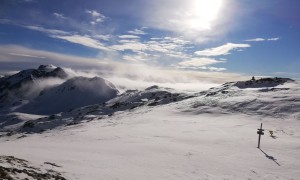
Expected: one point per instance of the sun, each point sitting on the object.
(200, 14)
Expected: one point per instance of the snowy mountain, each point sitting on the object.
(15, 90)
(44, 71)
(155, 133)
(74, 93)
(82, 99)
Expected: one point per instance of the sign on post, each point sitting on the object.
(260, 132)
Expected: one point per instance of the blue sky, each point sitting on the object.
(214, 40)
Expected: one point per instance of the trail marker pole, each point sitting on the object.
(260, 132)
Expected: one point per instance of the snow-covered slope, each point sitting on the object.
(271, 99)
(81, 100)
(163, 142)
(74, 93)
(156, 133)
(127, 101)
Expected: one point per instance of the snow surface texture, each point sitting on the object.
(158, 133)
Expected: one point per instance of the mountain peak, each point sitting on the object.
(47, 68)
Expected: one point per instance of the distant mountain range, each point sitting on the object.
(48, 97)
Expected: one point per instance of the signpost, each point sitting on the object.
(260, 132)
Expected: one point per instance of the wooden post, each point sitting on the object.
(260, 132)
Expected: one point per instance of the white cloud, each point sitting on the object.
(137, 32)
(127, 75)
(206, 68)
(198, 62)
(22, 56)
(94, 13)
(124, 41)
(130, 45)
(83, 40)
(26, 55)
(58, 15)
(134, 58)
(255, 40)
(103, 37)
(47, 31)
(274, 39)
(129, 37)
(216, 69)
(263, 39)
(96, 16)
(168, 47)
(221, 50)
(99, 19)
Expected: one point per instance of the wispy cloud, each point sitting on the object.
(130, 45)
(96, 16)
(206, 68)
(262, 39)
(129, 37)
(135, 57)
(94, 13)
(127, 75)
(274, 39)
(83, 40)
(137, 31)
(255, 40)
(198, 62)
(164, 51)
(155, 48)
(60, 16)
(47, 31)
(221, 50)
(201, 63)
(215, 69)
(103, 37)
(26, 55)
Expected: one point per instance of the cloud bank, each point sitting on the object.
(124, 75)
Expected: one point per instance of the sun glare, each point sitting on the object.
(202, 13)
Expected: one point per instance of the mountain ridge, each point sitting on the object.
(79, 99)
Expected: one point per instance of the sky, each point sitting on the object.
(163, 41)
